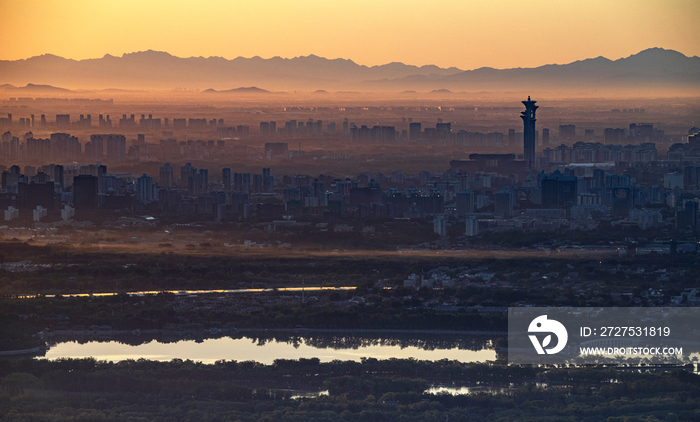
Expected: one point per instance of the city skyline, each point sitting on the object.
(470, 35)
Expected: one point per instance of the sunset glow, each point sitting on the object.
(465, 34)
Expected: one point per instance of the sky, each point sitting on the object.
(467, 34)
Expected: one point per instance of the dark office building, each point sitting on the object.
(37, 194)
(490, 163)
(687, 218)
(504, 203)
(226, 179)
(268, 181)
(559, 191)
(275, 149)
(365, 196)
(85, 190)
(465, 202)
(414, 131)
(567, 132)
(165, 178)
(529, 133)
(614, 136)
(622, 201)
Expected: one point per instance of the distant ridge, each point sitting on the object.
(145, 70)
(241, 90)
(30, 88)
(651, 68)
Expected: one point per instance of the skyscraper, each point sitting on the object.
(116, 148)
(226, 179)
(465, 202)
(144, 189)
(529, 134)
(85, 195)
(414, 131)
(504, 203)
(166, 176)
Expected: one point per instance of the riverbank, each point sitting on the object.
(111, 333)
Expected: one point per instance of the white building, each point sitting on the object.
(67, 212)
(472, 227)
(11, 213)
(413, 281)
(440, 225)
(39, 213)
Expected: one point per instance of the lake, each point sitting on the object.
(265, 348)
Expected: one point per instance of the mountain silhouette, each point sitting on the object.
(241, 90)
(655, 67)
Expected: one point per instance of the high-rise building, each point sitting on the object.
(116, 148)
(226, 179)
(504, 203)
(38, 150)
(205, 179)
(465, 202)
(58, 175)
(85, 191)
(63, 120)
(185, 175)
(264, 128)
(559, 191)
(275, 149)
(14, 149)
(472, 227)
(567, 132)
(65, 148)
(440, 225)
(166, 176)
(94, 149)
(529, 134)
(414, 131)
(245, 186)
(687, 217)
(268, 180)
(144, 189)
(614, 136)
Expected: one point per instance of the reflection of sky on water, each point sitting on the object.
(463, 390)
(243, 349)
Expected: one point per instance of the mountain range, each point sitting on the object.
(651, 68)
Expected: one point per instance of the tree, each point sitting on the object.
(16, 382)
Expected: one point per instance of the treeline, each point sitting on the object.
(76, 271)
(17, 333)
(163, 311)
(375, 390)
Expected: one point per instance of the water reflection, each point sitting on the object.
(464, 390)
(265, 348)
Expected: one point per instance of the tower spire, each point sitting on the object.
(529, 133)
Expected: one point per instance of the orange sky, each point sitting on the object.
(464, 33)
